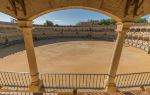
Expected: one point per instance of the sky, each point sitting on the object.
(64, 17)
(70, 16)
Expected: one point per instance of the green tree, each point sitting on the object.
(56, 25)
(141, 20)
(107, 22)
(48, 23)
(101, 22)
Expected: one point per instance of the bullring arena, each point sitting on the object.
(75, 60)
(65, 49)
(75, 50)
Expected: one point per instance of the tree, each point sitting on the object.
(48, 23)
(107, 22)
(141, 20)
(56, 25)
(100, 22)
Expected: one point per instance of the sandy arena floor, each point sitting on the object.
(74, 57)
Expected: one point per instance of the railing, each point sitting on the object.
(133, 80)
(75, 81)
(12, 79)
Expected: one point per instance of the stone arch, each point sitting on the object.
(8, 14)
(75, 7)
(140, 16)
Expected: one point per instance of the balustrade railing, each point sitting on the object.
(133, 80)
(75, 81)
(12, 79)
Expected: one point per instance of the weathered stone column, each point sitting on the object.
(26, 27)
(122, 28)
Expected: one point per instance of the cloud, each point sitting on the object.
(39, 21)
(56, 20)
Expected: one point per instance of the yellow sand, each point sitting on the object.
(74, 57)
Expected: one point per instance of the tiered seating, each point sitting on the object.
(139, 37)
(103, 33)
(10, 35)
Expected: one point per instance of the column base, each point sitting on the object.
(38, 93)
(111, 88)
(64, 93)
(143, 88)
(36, 88)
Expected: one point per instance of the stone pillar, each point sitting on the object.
(26, 28)
(122, 28)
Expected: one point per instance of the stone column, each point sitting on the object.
(26, 27)
(122, 28)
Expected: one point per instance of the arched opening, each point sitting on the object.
(138, 40)
(10, 37)
(82, 37)
(75, 35)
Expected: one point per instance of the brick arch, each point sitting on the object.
(75, 7)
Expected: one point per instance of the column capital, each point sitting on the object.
(127, 25)
(24, 24)
(123, 26)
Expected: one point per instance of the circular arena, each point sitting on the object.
(86, 58)
(68, 55)
(75, 58)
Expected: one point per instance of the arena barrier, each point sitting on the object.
(14, 81)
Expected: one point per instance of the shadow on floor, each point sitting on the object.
(12, 49)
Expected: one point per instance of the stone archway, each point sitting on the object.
(75, 7)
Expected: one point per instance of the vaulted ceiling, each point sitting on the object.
(120, 10)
